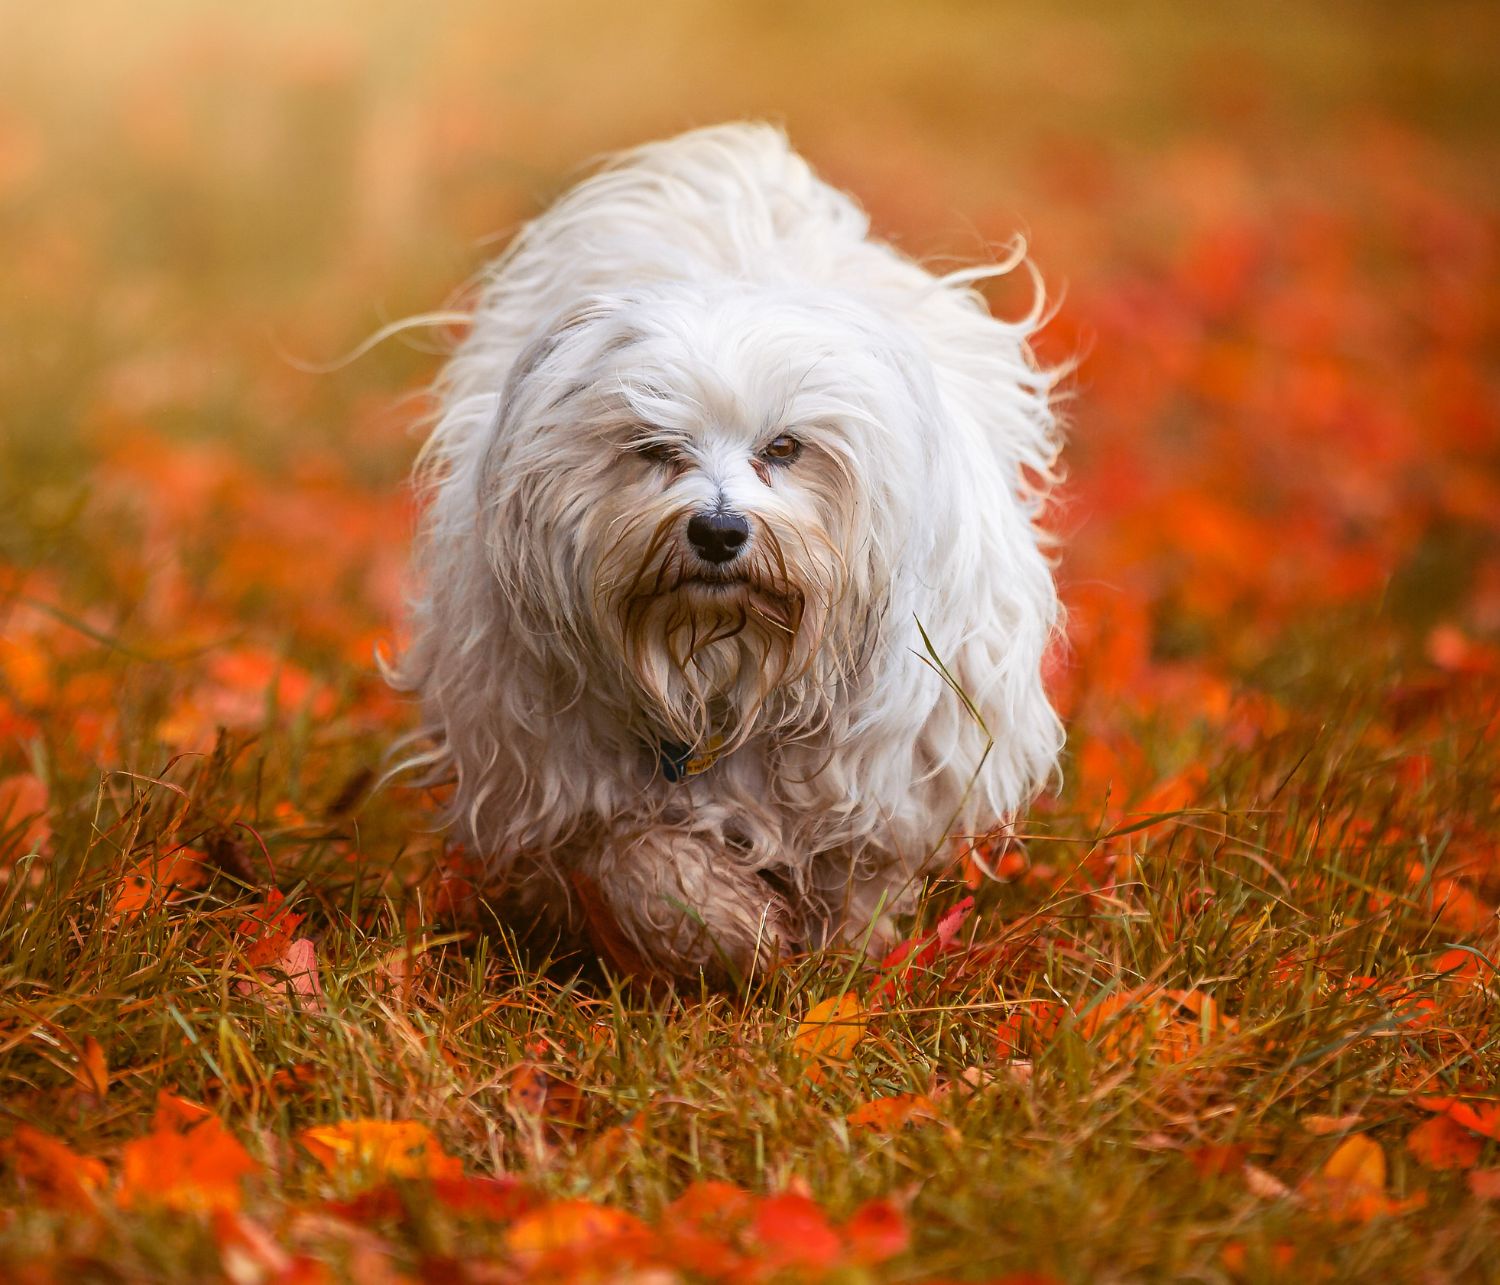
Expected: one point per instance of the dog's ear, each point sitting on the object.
(554, 367)
(565, 328)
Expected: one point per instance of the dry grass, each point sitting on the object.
(1284, 575)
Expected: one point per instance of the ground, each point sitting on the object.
(1225, 1013)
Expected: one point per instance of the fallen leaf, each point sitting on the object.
(175, 1113)
(197, 1169)
(371, 1150)
(1485, 1183)
(604, 933)
(157, 881)
(877, 1231)
(829, 1033)
(719, 1205)
(889, 1114)
(1169, 1025)
(1323, 1126)
(23, 809)
(1441, 1143)
(901, 966)
(1465, 968)
(566, 1236)
(1351, 1184)
(1482, 1117)
(1357, 1161)
(1476, 1114)
(496, 1199)
(539, 1095)
(92, 1072)
(293, 973)
(1215, 1159)
(267, 930)
(793, 1232)
(1267, 1186)
(53, 1173)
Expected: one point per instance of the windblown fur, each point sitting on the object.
(639, 355)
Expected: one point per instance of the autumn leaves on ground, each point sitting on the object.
(1226, 1013)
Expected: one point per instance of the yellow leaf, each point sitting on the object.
(1351, 1185)
(376, 1149)
(1359, 1162)
(830, 1032)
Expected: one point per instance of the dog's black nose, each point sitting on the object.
(717, 537)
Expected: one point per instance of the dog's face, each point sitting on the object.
(699, 497)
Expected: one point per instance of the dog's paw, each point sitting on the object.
(688, 909)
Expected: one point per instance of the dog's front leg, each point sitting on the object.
(683, 902)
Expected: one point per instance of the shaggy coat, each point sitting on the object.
(733, 760)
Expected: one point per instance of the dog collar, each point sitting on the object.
(678, 762)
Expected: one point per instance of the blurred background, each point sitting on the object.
(1270, 229)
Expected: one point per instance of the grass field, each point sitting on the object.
(1229, 1015)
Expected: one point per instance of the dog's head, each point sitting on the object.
(696, 496)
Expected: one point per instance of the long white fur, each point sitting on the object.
(707, 293)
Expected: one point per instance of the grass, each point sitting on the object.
(1237, 935)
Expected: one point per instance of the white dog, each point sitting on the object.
(733, 601)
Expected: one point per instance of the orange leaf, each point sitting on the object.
(174, 1113)
(58, 1175)
(569, 1234)
(157, 880)
(1173, 1025)
(720, 1206)
(23, 808)
(1485, 1183)
(889, 1113)
(1482, 1117)
(378, 1149)
(829, 1033)
(541, 1095)
(1213, 1160)
(92, 1071)
(1439, 1143)
(194, 1170)
(1464, 967)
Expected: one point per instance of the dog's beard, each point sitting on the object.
(707, 648)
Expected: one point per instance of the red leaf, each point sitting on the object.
(877, 1231)
(268, 930)
(918, 953)
(794, 1232)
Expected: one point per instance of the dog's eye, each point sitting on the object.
(783, 449)
(656, 450)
